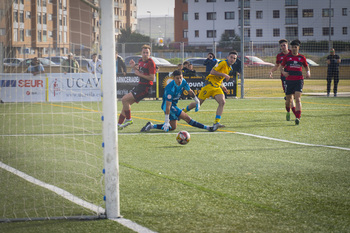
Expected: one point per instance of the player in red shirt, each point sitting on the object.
(146, 70)
(279, 58)
(291, 68)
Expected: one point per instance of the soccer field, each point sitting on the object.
(260, 173)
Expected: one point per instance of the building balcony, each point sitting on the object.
(291, 2)
(291, 20)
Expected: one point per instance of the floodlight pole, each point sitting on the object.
(109, 90)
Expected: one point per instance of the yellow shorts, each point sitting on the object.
(209, 91)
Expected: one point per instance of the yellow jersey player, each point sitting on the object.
(215, 88)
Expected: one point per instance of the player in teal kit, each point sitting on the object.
(172, 94)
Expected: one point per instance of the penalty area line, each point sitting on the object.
(70, 197)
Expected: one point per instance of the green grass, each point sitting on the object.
(220, 182)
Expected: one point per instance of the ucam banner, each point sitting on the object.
(74, 87)
(22, 87)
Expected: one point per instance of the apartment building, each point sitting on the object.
(204, 21)
(30, 28)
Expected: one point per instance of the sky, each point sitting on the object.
(157, 8)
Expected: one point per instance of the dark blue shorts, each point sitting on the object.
(294, 85)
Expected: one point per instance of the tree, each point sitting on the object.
(131, 39)
(230, 41)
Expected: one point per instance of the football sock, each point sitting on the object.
(287, 109)
(158, 126)
(217, 119)
(128, 114)
(186, 109)
(298, 114)
(196, 124)
(293, 110)
(121, 119)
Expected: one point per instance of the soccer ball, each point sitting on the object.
(183, 137)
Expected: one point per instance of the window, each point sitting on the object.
(325, 31)
(50, 17)
(211, 0)
(211, 16)
(185, 33)
(184, 1)
(196, 33)
(21, 17)
(211, 33)
(308, 31)
(276, 14)
(195, 0)
(325, 12)
(291, 16)
(196, 16)
(291, 2)
(345, 30)
(39, 18)
(259, 14)
(44, 18)
(308, 13)
(259, 32)
(291, 32)
(229, 0)
(230, 15)
(185, 16)
(15, 35)
(230, 33)
(276, 32)
(344, 11)
(15, 16)
(28, 32)
(28, 14)
(21, 35)
(44, 36)
(247, 32)
(39, 36)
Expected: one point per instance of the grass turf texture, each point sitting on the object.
(219, 182)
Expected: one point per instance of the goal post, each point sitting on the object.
(110, 136)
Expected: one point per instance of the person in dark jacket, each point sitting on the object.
(333, 61)
(210, 62)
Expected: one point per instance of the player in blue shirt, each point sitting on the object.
(172, 94)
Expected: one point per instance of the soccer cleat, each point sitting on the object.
(297, 121)
(288, 116)
(126, 123)
(147, 127)
(220, 125)
(213, 128)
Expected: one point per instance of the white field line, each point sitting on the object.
(246, 134)
(163, 134)
(70, 197)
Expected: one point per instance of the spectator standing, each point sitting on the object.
(185, 68)
(36, 67)
(210, 62)
(120, 65)
(70, 65)
(333, 61)
(95, 65)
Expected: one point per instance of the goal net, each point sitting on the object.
(51, 143)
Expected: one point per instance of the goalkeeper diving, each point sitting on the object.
(172, 94)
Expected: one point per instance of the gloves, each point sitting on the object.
(166, 126)
(198, 104)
